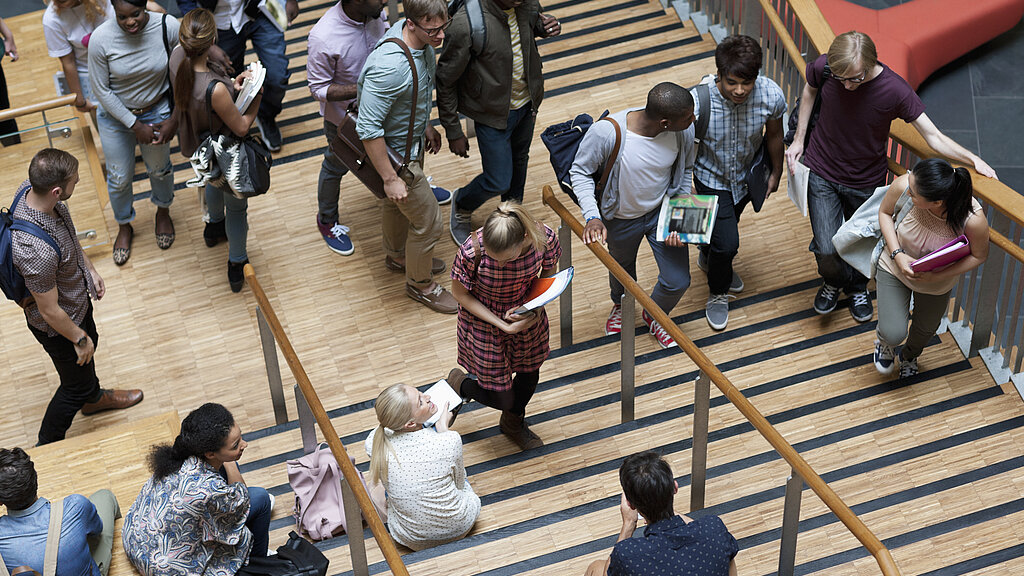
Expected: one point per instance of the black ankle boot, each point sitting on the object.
(235, 276)
(214, 233)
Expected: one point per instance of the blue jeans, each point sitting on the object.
(624, 238)
(119, 147)
(328, 189)
(504, 155)
(236, 221)
(269, 44)
(829, 204)
(258, 521)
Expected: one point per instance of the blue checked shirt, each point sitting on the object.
(735, 132)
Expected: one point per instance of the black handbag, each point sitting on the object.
(297, 557)
(757, 174)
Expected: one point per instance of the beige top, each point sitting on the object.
(920, 233)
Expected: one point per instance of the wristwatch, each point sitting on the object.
(81, 341)
(897, 251)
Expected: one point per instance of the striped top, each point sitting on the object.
(520, 91)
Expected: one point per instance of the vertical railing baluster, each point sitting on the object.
(307, 423)
(565, 300)
(627, 360)
(273, 368)
(354, 530)
(790, 524)
(699, 449)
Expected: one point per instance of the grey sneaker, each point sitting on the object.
(885, 357)
(717, 311)
(460, 224)
(735, 285)
(908, 368)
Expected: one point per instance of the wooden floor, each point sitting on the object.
(932, 464)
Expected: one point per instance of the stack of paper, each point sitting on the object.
(441, 393)
(251, 86)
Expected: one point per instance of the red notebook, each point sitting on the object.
(948, 254)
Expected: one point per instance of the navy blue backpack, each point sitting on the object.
(563, 140)
(11, 281)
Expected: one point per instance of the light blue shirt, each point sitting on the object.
(385, 93)
(23, 536)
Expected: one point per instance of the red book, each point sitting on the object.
(948, 254)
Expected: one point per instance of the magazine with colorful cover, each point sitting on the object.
(544, 290)
(692, 216)
(275, 12)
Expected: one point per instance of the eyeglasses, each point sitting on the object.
(853, 79)
(433, 32)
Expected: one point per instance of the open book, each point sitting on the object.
(544, 290)
(692, 216)
(251, 86)
(440, 393)
(948, 254)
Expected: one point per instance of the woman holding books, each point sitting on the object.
(943, 209)
(192, 75)
(501, 350)
(429, 500)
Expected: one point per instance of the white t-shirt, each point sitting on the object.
(645, 171)
(64, 31)
(230, 15)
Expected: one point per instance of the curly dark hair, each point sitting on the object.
(18, 481)
(204, 430)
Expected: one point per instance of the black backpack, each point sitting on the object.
(11, 281)
(477, 29)
(563, 140)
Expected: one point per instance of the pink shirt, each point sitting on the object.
(338, 47)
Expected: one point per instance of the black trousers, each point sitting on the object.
(513, 400)
(7, 126)
(725, 238)
(78, 384)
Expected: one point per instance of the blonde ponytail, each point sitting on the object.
(393, 410)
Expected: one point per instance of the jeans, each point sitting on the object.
(725, 238)
(119, 147)
(829, 205)
(894, 312)
(624, 238)
(7, 126)
(504, 155)
(328, 189)
(101, 545)
(258, 521)
(411, 229)
(78, 384)
(236, 220)
(269, 44)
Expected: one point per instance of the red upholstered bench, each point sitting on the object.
(919, 37)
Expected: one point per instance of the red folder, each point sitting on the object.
(948, 254)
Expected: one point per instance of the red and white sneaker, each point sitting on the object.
(659, 333)
(614, 323)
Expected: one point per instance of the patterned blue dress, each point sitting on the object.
(191, 522)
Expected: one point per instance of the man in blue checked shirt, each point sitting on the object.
(745, 111)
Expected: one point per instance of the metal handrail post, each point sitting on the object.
(565, 299)
(790, 524)
(273, 368)
(699, 450)
(307, 423)
(354, 530)
(627, 363)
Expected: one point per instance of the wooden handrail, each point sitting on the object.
(384, 541)
(751, 413)
(43, 106)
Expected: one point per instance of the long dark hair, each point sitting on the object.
(935, 180)
(204, 430)
(197, 33)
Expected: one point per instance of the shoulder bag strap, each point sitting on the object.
(53, 538)
(167, 49)
(704, 101)
(209, 105)
(614, 155)
(477, 252)
(415, 96)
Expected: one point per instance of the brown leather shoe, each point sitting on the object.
(436, 265)
(438, 299)
(455, 378)
(514, 426)
(113, 400)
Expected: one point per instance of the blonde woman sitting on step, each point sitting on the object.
(419, 471)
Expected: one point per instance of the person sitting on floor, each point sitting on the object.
(672, 544)
(197, 503)
(429, 500)
(86, 525)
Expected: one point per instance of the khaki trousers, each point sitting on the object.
(101, 545)
(411, 229)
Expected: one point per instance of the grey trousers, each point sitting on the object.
(894, 314)
(101, 545)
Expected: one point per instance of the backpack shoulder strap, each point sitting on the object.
(29, 227)
(614, 155)
(163, 34)
(53, 538)
(704, 101)
(477, 26)
(415, 95)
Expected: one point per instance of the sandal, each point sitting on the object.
(121, 255)
(164, 240)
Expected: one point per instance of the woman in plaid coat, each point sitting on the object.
(502, 351)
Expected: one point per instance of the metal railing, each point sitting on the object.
(358, 505)
(987, 316)
(802, 473)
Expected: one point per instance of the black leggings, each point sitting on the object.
(513, 400)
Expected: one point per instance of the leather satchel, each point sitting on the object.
(348, 147)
